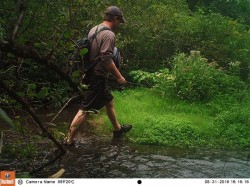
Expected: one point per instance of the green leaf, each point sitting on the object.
(30, 93)
(66, 35)
(76, 74)
(32, 86)
(50, 44)
(6, 118)
(83, 51)
(61, 43)
(10, 55)
(21, 94)
(21, 41)
(43, 93)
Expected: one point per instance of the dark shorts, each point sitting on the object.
(97, 95)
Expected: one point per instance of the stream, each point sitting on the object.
(100, 157)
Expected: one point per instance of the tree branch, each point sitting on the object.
(20, 17)
(74, 97)
(69, 38)
(28, 52)
(48, 163)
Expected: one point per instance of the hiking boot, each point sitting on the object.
(124, 129)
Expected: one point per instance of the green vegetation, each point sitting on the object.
(193, 79)
(172, 122)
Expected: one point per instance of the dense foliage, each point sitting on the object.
(154, 33)
(193, 79)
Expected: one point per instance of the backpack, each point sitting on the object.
(83, 50)
(80, 57)
(116, 57)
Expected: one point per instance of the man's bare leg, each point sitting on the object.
(110, 110)
(78, 120)
(118, 130)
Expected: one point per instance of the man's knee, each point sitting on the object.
(81, 113)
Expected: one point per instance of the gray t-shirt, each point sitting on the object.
(102, 46)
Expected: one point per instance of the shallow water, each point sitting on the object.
(101, 157)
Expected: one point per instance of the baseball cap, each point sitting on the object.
(113, 10)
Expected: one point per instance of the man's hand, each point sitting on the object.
(121, 80)
(110, 67)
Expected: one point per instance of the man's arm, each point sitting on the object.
(111, 68)
(106, 54)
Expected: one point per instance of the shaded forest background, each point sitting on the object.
(37, 38)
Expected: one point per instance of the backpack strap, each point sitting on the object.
(95, 61)
(97, 31)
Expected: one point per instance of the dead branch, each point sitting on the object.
(20, 65)
(58, 174)
(20, 17)
(7, 70)
(74, 97)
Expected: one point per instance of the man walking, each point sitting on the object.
(98, 95)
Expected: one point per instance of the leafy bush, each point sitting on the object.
(143, 77)
(196, 80)
(192, 78)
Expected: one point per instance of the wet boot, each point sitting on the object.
(124, 129)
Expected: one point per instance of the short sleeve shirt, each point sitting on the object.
(102, 46)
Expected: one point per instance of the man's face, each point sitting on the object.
(116, 23)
